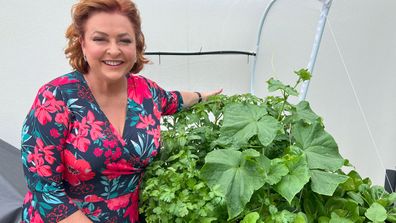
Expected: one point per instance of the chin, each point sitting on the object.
(114, 76)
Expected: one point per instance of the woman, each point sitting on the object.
(90, 133)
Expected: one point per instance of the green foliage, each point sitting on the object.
(251, 160)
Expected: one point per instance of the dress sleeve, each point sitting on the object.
(43, 141)
(170, 101)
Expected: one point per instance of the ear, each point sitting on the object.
(82, 43)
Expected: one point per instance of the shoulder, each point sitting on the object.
(66, 79)
(57, 84)
(139, 79)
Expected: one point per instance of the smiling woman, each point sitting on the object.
(91, 133)
(109, 46)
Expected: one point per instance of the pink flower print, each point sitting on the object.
(108, 153)
(80, 141)
(146, 161)
(62, 81)
(63, 118)
(92, 198)
(42, 114)
(171, 106)
(117, 154)
(96, 126)
(156, 133)
(51, 102)
(132, 210)
(35, 156)
(98, 152)
(97, 212)
(38, 161)
(77, 170)
(28, 197)
(154, 153)
(41, 169)
(109, 143)
(82, 126)
(36, 218)
(47, 150)
(139, 91)
(116, 169)
(85, 211)
(118, 202)
(58, 213)
(156, 112)
(30, 210)
(49, 105)
(54, 133)
(60, 168)
(145, 121)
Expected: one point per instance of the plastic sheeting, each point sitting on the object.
(12, 183)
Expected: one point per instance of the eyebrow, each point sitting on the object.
(105, 34)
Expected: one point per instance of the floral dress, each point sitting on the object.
(74, 159)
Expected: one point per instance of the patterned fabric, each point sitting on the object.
(73, 157)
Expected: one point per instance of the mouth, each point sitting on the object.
(113, 63)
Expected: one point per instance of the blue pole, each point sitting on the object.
(316, 45)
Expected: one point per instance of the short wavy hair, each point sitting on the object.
(82, 11)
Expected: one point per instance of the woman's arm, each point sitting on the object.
(43, 141)
(190, 98)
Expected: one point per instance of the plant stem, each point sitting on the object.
(283, 104)
(298, 82)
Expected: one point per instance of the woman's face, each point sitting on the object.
(109, 45)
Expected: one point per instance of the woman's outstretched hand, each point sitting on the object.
(207, 94)
(190, 98)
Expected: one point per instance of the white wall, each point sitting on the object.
(32, 42)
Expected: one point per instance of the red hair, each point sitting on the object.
(82, 11)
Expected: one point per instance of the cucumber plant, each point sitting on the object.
(246, 159)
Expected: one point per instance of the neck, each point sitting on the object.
(105, 86)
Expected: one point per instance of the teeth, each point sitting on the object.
(112, 62)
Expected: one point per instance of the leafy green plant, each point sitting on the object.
(246, 159)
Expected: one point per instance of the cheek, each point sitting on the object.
(94, 51)
(130, 53)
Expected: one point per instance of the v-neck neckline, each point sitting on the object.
(114, 130)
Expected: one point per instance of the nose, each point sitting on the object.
(113, 49)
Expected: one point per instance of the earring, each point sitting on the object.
(85, 58)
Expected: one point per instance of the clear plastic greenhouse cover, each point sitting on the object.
(354, 73)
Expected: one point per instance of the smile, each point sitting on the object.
(113, 62)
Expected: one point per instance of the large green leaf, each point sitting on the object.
(252, 217)
(298, 176)
(343, 207)
(274, 85)
(241, 122)
(313, 205)
(236, 174)
(304, 111)
(376, 213)
(319, 146)
(325, 183)
(337, 219)
(276, 171)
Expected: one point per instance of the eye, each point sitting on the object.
(98, 39)
(126, 41)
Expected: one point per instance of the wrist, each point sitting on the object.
(199, 96)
